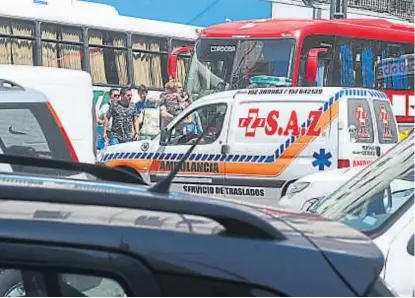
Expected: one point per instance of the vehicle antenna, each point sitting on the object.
(163, 186)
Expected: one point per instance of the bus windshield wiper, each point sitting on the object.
(99, 171)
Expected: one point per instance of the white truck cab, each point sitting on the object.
(258, 141)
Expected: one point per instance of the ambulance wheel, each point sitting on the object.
(131, 171)
(285, 187)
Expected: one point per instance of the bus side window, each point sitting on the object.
(394, 66)
(325, 65)
(355, 62)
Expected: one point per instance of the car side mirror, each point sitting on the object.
(410, 248)
(164, 137)
(312, 64)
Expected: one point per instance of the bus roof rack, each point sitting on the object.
(99, 171)
(7, 84)
(237, 222)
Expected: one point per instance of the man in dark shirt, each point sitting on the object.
(124, 115)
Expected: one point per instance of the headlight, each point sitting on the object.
(296, 187)
(309, 205)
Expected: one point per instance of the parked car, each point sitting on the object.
(379, 202)
(304, 192)
(30, 127)
(65, 237)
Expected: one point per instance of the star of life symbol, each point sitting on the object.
(385, 116)
(252, 122)
(361, 115)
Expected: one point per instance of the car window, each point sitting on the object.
(385, 121)
(23, 283)
(360, 124)
(29, 129)
(92, 286)
(187, 286)
(207, 119)
(372, 214)
(377, 195)
(21, 133)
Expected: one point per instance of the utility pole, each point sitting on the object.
(338, 9)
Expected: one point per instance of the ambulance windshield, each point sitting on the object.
(227, 64)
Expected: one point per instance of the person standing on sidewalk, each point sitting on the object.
(124, 115)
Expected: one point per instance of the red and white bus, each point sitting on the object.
(305, 53)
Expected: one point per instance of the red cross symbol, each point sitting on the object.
(385, 116)
(361, 115)
(252, 122)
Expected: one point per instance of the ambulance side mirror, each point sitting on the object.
(410, 247)
(164, 137)
(312, 63)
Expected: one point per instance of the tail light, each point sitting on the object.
(64, 134)
(343, 163)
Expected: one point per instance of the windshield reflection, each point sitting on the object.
(221, 64)
(376, 193)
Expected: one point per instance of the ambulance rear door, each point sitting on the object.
(359, 143)
(276, 138)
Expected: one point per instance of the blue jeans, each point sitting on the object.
(100, 140)
(115, 141)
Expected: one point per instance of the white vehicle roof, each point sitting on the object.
(46, 75)
(338, 175)
(92, 15)
(295, 93)
(19, 94)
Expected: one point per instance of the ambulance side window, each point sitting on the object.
(385, 122)
(360, 126)
(207, 119)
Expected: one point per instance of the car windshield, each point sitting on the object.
(222, 64)
(377, 194)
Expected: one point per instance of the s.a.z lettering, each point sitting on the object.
(271, 124)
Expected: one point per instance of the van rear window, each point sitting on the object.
(29, 129)
(385, 121)
(360, 124)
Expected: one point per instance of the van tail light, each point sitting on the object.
(64, 134)
(343, 163)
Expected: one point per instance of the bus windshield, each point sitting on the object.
(227, 64)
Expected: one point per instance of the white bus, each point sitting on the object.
(116, 50)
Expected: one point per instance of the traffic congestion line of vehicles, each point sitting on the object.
(63, 239)
(256, 142)
(369, 53)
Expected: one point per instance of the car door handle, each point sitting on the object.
(224, 149)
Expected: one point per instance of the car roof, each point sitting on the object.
(48, 75)
(11, 92)
(199, 231)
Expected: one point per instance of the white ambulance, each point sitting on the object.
(258, 141)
